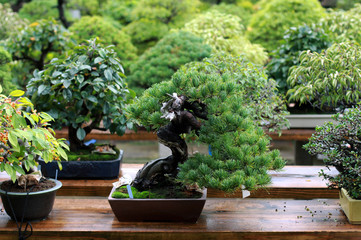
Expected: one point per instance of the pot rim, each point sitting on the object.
(203, 197)
(58, 185)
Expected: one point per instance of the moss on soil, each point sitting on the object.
(87, 155)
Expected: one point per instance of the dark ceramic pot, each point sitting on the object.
(38, 204)
(157, 210)
(83, 169)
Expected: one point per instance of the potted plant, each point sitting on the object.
(83, 91)
(340, 143)
(24, 137)
(203, 102)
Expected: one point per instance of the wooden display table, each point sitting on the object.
(92, 218)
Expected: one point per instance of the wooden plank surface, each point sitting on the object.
(92, 218)
(299, 182)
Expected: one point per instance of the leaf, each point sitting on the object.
(102, 53)
(98, 60)
(67, 83)
(14, 141)
(12, 173)
(93, 99)
(55, 74)
(108, 74)
(80, 133)
(17, 93)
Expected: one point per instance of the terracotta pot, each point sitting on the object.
(39, 204)
(83, 169)
(157, 210)
(351, 207)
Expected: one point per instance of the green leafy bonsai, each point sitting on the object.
(295, 40)
(34, 46)
(226, 33)
(161, 61)
(340, 143)
(85, 90)
(205, 102)
(268, 24)
(25, 136)
(330, 79)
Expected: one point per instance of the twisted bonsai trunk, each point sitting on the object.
(183, 120)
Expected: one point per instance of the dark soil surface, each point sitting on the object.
(13, 187)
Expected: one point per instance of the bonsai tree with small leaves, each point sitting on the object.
(84, 90)
(25, 136)
(340, 143)
(204, 102)
(330, 79)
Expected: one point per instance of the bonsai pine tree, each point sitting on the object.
(161, 61)
(225, 33)
(82, 90)
(330, 79)
(206, 103)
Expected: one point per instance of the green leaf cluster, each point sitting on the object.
(83, 90)
(268, 25)
(343, 25)
(240, 10)
(119, 10)
(340, 144)
(154, 18)
(90, 27)
(9, 21)
(225, 33)
(328, 79)
(25, 136)
(240, 149)
(295, 40)
(35, 45)
(161, 61)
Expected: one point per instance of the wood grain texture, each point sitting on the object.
(92, 218)
(298, 182)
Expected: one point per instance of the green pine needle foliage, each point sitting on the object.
(240, 149)
(160, 62)
(276, 16)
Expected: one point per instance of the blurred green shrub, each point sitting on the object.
(5, 75)
(268, 25)
(295, 40)
(34, 46)
(9, 21)
(161, 61)
(90, 27)
(225, 33)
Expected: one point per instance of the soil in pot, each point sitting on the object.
(9, 186)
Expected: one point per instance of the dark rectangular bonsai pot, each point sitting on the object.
(83, 169)
(157, 210)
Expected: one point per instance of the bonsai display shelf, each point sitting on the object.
(92, 218)
(298, 182)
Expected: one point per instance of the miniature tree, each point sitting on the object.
(83, 90)
(35, 45)
(154, 18)
(296, 40)
(161, 61)
(268, 24)
(330, 79)
(208, 103)
(91, 27)
(225, 33)
(340, 144)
